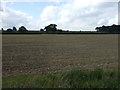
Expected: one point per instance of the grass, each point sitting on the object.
(76, 78)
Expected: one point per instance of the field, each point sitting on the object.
(42, 54)
(23, 54)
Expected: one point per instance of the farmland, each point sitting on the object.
(71, 61)
(36, 54)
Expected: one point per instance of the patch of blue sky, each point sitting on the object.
(33, 9)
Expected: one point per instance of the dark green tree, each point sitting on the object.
(97, 28)
(2, 30)
(51, 28)
(59, 30)
(9, 30)
(14, 29)
(22, 29)
(41, 30)
(109, 29)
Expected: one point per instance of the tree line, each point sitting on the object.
(14, 29)
(49, 28)
(53, 28)
(109, 29)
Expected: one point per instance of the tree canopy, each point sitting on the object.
(9, 30)
(14, 29)
(51, 27)
(112, 29)
(22, 29)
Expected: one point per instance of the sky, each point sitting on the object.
(74, 15)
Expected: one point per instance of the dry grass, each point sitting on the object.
(34, 54)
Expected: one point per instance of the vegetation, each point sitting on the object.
(76, 78)
(9, 30)
(22, 29)
(109, 29)
(51, 29)
(14, 29)
(38, 61)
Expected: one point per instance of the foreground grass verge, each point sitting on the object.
(96, 78)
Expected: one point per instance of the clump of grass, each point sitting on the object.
(97, 78)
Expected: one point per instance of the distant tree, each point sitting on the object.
(110, 29)
(59, 30)
(51, 27)
(14, 29)
(22, 29)
(9, 30)
(67, 30)
(97, 28)
(41, 30)
(114, 28)
(2, 30)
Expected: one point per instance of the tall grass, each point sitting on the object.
(97, 78)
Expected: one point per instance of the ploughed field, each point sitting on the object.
(49, 53)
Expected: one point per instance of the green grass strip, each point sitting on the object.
(97, 78)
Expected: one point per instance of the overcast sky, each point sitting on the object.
(67, 14)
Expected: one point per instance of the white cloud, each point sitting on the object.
(119, 18)
(101, 21)
(73, 15)
(113, 20)
(59, 0)
(79, 15)
(119, 13)
(10, 18)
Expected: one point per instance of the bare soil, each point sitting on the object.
(36, 54)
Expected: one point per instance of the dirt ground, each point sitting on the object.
(35, 54)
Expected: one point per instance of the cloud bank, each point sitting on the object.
(10, 17)
(81, 15)
(74, 15)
